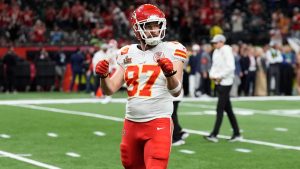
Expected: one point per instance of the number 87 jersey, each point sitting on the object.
(148, 96)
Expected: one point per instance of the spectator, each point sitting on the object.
(64, 16)
(77, 60)
(237, 71)
(298, 73)
(39, 30)
(50, 16)
(60, 68)
(121, 23)
(296, 23)
(261, 73)
(250, 81)
(89, 70)
(56, 35)
(287, 70)
(43, 56)
(10, 61)
(274, 59)
(244, 63)
(237, 21)
(205, 68)
(194, 63)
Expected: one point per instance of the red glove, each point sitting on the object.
(102, 68)
(166, 66)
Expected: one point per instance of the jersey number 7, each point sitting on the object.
(133, 83)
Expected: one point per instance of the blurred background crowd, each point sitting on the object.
(58, 36)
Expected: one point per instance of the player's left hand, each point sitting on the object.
(166, 66)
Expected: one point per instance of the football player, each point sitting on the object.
(152, 71)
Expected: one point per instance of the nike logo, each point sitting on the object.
(159, 128)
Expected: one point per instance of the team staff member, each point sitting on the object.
(152, 72)
(222, 73)
(178, 134)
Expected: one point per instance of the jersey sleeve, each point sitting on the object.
(178, 51)
(121, 54)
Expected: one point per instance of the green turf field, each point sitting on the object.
(41, 135)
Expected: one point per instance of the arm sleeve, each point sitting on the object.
(121, 55)
(179, 52)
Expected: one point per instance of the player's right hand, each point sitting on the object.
(102, 68)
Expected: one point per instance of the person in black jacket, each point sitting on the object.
(77, 60)
(10, 61)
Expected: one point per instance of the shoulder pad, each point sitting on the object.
(179, 50)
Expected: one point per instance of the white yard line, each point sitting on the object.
(72, 154)
(58, 101)
(243, 150)
(99, 133)
(187, 151)
(120, 120)
(26, 160)
(284, 113)
(4, 136)
(22, 155)
(247, 140)
(124, 100)
(87, 114)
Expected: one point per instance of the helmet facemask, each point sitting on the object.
(141, 29)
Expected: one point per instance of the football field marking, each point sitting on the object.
(99, 133)
(243, 150)
(22, 155)
(56, 110)
(186, 151)
(281, 129)
(213, 112)
(27, 160)
(285, 113)
(244, 111)
(247, 140)
(4, 136)
(52, 135)
(72, 154)
(87, 114)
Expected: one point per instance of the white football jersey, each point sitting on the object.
(148, 96)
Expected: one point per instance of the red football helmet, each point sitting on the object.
(145, 14)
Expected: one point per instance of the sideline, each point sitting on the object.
(124, 100)
(27, 160)
(56, 110)
(284, 113)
